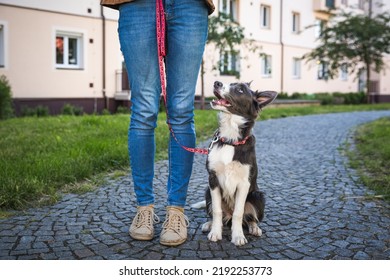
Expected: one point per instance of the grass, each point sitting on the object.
(372, 156)
(40, 156)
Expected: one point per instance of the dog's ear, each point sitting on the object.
(264, 98)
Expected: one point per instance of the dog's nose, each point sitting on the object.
(218, 84)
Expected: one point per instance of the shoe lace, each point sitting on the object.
(145, 217)
(175, 221)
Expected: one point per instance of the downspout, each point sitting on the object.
(282, 48)
(103, 57)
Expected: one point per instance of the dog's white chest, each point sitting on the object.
(231, 174)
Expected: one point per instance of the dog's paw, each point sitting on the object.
(206, 226)
(199, 205)
(254, 229)
(239, 240)
(215, 235)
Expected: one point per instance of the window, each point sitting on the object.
(295, 22)
(266, 66)
(228, 7)
(330, 4)
(344, 72)
(229, 64)
(318, 28)
(2, 45)
(322, 73)
(265, 16)
(69, 50)
(361, 4)
(296, 71)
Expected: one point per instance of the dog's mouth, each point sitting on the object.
(220, 100)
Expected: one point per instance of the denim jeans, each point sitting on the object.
(186, 25)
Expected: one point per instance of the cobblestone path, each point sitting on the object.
(316, 208)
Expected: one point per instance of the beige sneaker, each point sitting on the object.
(142, 226)
(174, 231)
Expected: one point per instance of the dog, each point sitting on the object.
(233, 195)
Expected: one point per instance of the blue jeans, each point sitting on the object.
(186, 27)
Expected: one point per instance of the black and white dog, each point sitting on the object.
(233, 195)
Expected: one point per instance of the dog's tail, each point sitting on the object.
(199, 205)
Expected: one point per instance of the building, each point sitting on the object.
(284, 31)
(59, 52)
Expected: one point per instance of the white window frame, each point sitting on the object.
(296, 68)
(296, 22)
(266, 66)
(232, 67)
(3, 45)
(228, 7)
(265, 16)
(318, 27)
(80, 36)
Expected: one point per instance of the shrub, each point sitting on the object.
(72, 110)
(105, 112)
(283, 95)
(42, 111)
(6, 108)
(39, 111)
(27, 111)
(122, 110)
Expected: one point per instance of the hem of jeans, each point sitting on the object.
(176, 205)
(145, 203)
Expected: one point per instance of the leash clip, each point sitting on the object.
(215, 140)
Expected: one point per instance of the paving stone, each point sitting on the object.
(84, 253)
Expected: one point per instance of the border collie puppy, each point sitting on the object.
(233, 195)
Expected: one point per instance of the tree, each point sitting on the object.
(356, 41)
(226, 35)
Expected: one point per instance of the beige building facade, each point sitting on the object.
(284, 31)
(58, 52)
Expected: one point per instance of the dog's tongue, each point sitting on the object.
(221, 102)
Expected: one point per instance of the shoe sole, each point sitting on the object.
(141, 237)
(173, 243)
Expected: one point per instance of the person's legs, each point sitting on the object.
(187, 22)
(186, 37)
(137, 34)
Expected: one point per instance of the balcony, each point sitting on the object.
(323, 5)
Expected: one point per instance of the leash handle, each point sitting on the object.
(161, 49)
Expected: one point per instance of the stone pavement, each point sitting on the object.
(316, 208)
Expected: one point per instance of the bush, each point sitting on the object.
(39, 111)
(106, 112)
(72, 110)
(6, 108)
(42, 111)
(122, 110)
(283, 95)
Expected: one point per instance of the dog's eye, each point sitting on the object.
(240, 90)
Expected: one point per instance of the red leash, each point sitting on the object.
(160, 25)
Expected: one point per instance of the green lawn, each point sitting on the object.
(39, 156)
(372, 156)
